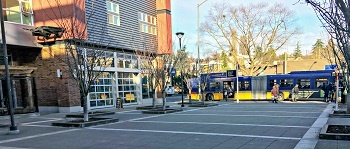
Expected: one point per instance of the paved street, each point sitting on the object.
(249, 125)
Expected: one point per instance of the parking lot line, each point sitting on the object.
(241, 115)
(196, 133)
(36, 136)
(227, 124)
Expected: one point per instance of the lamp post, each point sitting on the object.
(198, 43)
(13, 127)
(180, 35)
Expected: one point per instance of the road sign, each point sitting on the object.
(231, 73)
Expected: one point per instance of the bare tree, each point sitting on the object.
(82, 59)
(335, 16)
(246, 30)
(157, 68)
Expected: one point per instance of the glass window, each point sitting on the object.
(128, 64)
(113, 16)
(148, 24)
(243, 86)
(286, 83)
(109, 6)
(320, 81)
(116, 20)
(18, 11)
(303, 83)
(272, 83)
(214, 85)
(121, 64)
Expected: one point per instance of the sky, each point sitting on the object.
(184, 19)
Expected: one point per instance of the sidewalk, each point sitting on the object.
(321, 144)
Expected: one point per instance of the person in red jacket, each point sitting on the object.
(274, 93)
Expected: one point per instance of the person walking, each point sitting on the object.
(274, 93)
(295, 93)
(325, 91)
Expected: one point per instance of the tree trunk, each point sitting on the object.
(153, 98)
(189, 96)
(85, 109)
(202, 97)
(348, 103)
(164, 99)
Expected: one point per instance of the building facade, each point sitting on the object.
(120, 27)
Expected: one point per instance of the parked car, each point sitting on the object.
(169, 90)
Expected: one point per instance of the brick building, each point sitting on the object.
(121, 27)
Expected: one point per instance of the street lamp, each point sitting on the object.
(198, 43)
(13, 127)
(180, 35)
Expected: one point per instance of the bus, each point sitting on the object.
(259, 87)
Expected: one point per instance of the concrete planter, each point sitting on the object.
(161, 111)
(150, 107)
(333, 136)
(80, 123)
(203, 105)
(91, 114)
(340, 114)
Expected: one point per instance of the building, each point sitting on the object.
(121, 27)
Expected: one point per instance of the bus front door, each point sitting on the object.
(228, 89)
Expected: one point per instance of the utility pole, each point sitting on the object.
(198, 43)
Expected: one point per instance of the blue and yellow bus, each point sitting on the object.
(259, 87)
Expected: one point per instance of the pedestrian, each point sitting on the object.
(274, 94)
(328, 93)
(295, 93)
(344, 94)
(325, 94)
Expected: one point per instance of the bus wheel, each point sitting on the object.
(280, 97)
(209, 97)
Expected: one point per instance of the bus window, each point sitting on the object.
(272, 83)
(214, 85)
(286, 83)
(304, 83)
(320, 81)
(243, 86)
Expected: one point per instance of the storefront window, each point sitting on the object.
(127, 89)
(101, 92)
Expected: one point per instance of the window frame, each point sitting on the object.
(113, 13)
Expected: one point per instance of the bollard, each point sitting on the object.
(118, 103)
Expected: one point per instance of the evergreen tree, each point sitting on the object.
(297, 51)
(283, 56)
(317, 49)
(224, 59)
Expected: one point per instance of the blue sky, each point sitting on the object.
(184, 19)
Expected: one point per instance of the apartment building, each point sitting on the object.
(120, 26)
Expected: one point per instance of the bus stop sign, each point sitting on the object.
(231, 73)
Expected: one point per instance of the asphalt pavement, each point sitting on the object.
(244, 125)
